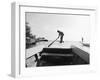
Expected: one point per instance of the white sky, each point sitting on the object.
(46, 25)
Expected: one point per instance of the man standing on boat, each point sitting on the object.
(61, 34)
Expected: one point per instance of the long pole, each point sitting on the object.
(53, 42)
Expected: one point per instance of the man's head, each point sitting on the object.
(58, 31)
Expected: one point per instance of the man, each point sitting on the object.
(61, 34)
(82, 39)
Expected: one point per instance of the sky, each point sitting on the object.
(46, 25)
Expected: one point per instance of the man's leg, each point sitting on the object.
(61, 39)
